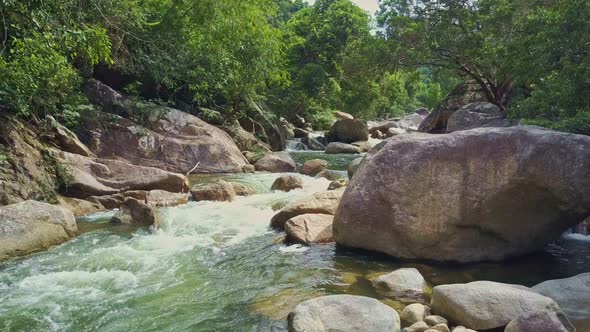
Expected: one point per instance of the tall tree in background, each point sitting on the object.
(469, 37)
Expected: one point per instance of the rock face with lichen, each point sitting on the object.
(32, 226)
(481, 194)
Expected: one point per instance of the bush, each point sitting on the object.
(36, 78)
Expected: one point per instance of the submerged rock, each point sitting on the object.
(310, 228)
(337, 148)
(134, 212)
(322, 203)
(481, 194)
(162, 198)
(287, 183)
(32, 226)
(343, 313)
(484, 305)
(402, 284)
(277, 162)
(542, 321)
(572, 295)
(242, 189)
(220, 191)
(313, 167)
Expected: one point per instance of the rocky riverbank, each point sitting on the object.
(487, 190)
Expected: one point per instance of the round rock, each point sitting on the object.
(343, 313)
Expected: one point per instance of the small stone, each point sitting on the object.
(414, 313)
(339, 183)
(417, 327)
(402, 284)
(441, 328)
(248, 168)
(313, 167)
(462, 329)
(287, 183)
(435, 320)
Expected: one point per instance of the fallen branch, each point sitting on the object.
(192, 169)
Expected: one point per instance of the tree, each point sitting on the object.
(469, 37)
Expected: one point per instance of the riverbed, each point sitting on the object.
(217, 266)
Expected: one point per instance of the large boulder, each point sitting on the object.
(481, 194)
(319, 203)
(276, 162)
(343, 115)
(484, 305)
(310, 228)
(25, 173)
(244, 140)
(542, 321)
(135, 212)
(411, 121)
(382, 126)
(265, 125)
(115, 201)
(477, 115)
(95, 176)
(405, 284)
(313, 167)
(348, 131)
(572, 295)
(343, 313)
(167, 138)
(64, 138)
(287, 183)
(32, 226)
(342, 148)
(462, 94)
(79, 207)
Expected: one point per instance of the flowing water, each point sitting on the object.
(216, 266)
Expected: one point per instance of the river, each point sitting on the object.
(216, 266)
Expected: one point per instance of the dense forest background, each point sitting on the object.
(530, 57)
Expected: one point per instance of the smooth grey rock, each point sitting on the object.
(543, 321)
(484, 305)
(343, 313)
(572, 295)
(402, 284)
